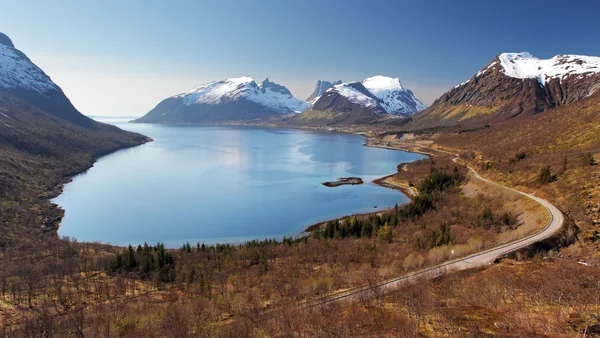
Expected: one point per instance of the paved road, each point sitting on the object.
(475, 260)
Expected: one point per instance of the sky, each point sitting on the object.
(123, 57)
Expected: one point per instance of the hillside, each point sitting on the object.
(43, 139)
(235, 99)
(514, 84)
(567, 140)
(21, 78)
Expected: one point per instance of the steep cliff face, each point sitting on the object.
(514, 84)
(321, 88)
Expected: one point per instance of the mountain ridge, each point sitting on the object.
(320, 88)
(231, 99)
(514, 84)
(21, 78)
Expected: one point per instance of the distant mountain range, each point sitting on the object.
(227, 100)
(514, 84)
(510, 85)
(242, 99)
(362, 102)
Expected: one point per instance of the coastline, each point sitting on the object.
(55, 213)
(382, 182)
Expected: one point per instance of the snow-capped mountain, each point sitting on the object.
(17, 71)
(320, 88)
(19, 77)
(394, 99)
(230, 99)
(513, 84)
(356, 93)
(526, 66)
(359, 102)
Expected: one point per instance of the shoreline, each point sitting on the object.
(56, 212)
(406, 191)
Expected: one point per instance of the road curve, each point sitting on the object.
(475, 260)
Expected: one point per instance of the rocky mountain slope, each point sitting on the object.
(227, 100)
(515, 84)
(320, 88)
(21, 78)
(362, 102)
(43, 138)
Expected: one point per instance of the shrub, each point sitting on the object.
(546, 175)
(588, 159)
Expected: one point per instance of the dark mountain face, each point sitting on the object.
(268, 85)
(172, 110)
(21, 78)
(511, 86)
(335, 100)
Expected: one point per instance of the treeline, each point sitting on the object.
(161, 265)
(381, 225)
(145, 260)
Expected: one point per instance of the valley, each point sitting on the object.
(236, 209)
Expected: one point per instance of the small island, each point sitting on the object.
(343, 181)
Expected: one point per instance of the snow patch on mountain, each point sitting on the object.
(526, 66)
(378, 84)
(8, 117)
(393, 98)
(353, 95)
(267, 94)
(17, 71)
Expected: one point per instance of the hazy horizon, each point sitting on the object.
(124, 58)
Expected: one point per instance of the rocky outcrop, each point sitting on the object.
(321, 88)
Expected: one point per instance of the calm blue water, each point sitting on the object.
(224, 184)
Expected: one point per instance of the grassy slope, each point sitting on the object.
(37, 151)
(558, 138)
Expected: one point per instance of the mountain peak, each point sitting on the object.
(230, 99)
(5, 40)
(266, 84)
(373, 96)
(380, 83)
(526, 66)
(515, 84)
(321, 87)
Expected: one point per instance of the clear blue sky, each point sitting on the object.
(122, 57)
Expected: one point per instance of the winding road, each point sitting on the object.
(475, 260)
